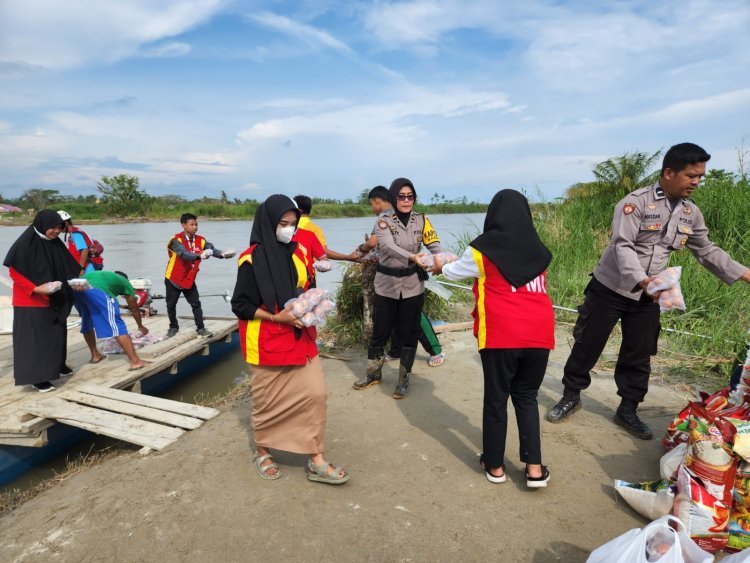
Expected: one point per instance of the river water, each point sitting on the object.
(139, 249)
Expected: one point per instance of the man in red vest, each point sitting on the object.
(186, 251)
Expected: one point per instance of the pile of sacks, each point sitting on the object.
(705, 474)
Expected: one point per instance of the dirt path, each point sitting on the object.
(416, 492)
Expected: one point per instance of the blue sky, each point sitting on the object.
(259, 97)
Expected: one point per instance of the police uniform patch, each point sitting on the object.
(652, 206)
(687, 210)
(428, 233)
(382, 224)
(628, 208)
(654, 227)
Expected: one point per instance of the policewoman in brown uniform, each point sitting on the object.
(399, 284)
(648, 225)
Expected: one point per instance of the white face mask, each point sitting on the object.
(284, 234)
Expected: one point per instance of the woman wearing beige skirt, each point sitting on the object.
(287, 381)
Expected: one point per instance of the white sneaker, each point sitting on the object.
(45, 387)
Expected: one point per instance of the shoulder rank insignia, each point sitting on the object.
(628, 208)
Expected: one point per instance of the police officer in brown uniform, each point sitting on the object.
(648, 225)
(399, 283)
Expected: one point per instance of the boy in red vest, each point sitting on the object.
(78, 243)
(186, 250)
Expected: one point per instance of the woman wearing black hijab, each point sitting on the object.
(36, 261)
(286, 377)
(399, 284)
(514, 326)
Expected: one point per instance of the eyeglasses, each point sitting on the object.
(405, 197)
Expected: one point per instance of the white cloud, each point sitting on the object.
(167, 50)
(59, 35)
(301, 31)
(387, 121)
(575, 46)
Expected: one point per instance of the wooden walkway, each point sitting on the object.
(104, 397)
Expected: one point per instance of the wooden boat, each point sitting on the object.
(107, 398)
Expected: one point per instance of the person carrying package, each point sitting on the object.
(186, 251)
(100, 314)
(39, 266)
(515, 328)
(380, 205)
(648, 225)
(399, 284)
(287, 382)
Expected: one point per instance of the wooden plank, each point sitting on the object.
(38, 441)
(187, 409)
(111, 373)
(209, 318)
(19, 422)
(160, 348)
(122, 427)
(139, 411)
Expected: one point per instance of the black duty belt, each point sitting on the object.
(398, 272)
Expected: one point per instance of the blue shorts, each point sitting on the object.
(99, 312)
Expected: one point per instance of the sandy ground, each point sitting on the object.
(416, 492)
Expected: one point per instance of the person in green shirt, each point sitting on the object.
(100, 314)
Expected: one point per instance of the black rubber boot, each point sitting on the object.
(404, 371)
(373, 373)
(628, 419)
(570, 403)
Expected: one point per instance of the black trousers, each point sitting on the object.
(597, 317)
(427, 338)
(191, 296)
(399, 314)
(516, 373)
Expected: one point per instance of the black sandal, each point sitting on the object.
(490, 477)
(537, 482)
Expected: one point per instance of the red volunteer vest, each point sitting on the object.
(72, 246)
(267, 343)
(508, 317)
(181, 272)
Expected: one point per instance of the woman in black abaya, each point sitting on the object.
(36, 261)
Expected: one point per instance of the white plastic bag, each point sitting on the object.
(323, 265)
(631, 547)
(79, 284)
(670, 462)
(652, 500)
(668, 283)
(739, 557)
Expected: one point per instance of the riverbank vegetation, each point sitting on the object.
(120, 198)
